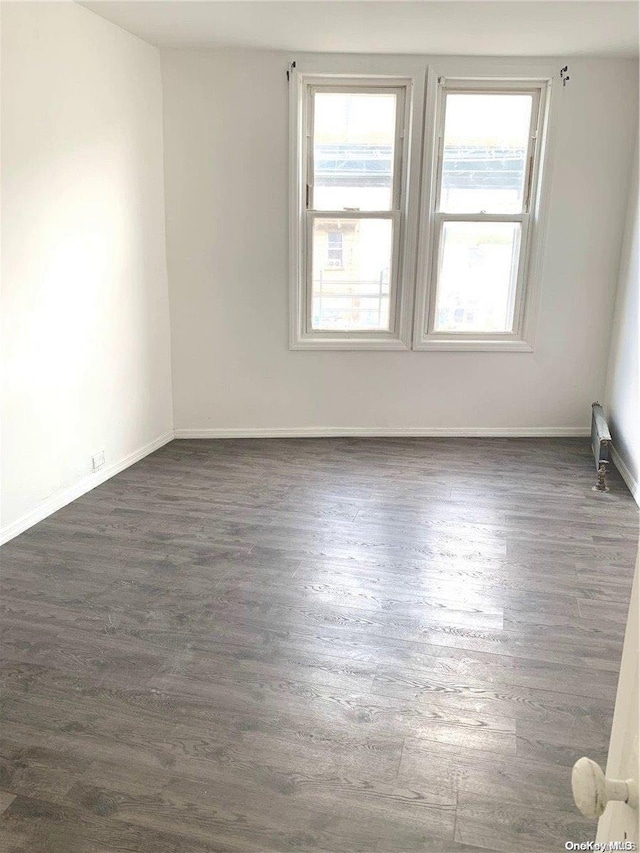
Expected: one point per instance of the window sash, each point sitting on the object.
(398, 153)
(392, 216)
(509, 89)
(518, 295)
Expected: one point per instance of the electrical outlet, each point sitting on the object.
(97, 460)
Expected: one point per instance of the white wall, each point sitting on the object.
(225, 127)
(619, 821)
(85, 326)
(623, 387)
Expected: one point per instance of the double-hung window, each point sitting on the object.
(485, 177)
(369, 232)
(350, 201)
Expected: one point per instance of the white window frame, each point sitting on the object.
(520, 338)
(403, 211)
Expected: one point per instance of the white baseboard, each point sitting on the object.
(71, 493)
(384, 432)
(627, 476)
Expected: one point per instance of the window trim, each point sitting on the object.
(402, 272)
(532, 233)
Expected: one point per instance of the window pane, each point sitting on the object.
(353, 150)
(478, 267)
(484, 159)
(334, 248)
(351, 290)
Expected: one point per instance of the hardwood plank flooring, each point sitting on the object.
(341, 645)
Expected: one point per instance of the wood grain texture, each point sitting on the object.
(315, 645)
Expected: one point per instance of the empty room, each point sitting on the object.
(320, 440)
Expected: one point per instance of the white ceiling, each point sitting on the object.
(484, 27)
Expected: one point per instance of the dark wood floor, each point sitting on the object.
(315, 645)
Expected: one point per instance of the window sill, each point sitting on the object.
(362, 342)
(458, 344)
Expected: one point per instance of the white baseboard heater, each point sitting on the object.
(601, 444)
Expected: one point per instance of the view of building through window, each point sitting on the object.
(477, 280)
(484, 152)
(355, 294)
(335, 247)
